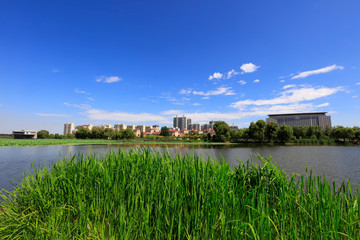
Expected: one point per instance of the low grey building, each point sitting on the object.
(301, 119)
(24, 134)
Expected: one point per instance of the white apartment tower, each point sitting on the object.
(68, 128)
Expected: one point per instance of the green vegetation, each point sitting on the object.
(50, 142)
(140, 194)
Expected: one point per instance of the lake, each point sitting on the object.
(337, 163)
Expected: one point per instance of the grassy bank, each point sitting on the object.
(145, 195)
(49, 142)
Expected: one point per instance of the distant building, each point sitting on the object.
(194, 126)
(131, 126)
(142, 128)
(301, 119)
(188, 124)
(180, 122)
(119, 127)
(24, 134)
(103, 126)
(86, 126)
(69, 128)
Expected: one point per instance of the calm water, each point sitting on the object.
(337, 163)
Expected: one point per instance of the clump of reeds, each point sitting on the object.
(141, 194)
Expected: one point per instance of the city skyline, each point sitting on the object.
(143, 63)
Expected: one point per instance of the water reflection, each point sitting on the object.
(337, 163)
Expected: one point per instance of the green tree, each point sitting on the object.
(285, 133)
(165, 131)
(58, 136)
(222, 131)
(42, 134)
(97, 133)
(82, 133)
(70, 136)
(128, 134)
(271, 130)
(327, 131)
(109, 133)
(300, 131)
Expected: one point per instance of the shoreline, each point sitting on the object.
(75, 142)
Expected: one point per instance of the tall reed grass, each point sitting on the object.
(141, 194)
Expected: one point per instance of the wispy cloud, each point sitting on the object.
(242, 82)
(218, 91)
(256, 81)
(81, 92)
(81, 106)
(358, 83)
(323, 105)
(317, 71)
(97, 114)
(249, 67)
(289, 86)
(111, 79)
(185, 91)
(52, 115)
(196, 104)
(216, 76)
(172, 112)
(56, 70)
(231, 73)
(294, 95)
(91, 99)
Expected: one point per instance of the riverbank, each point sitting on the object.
(69, 142)
(65, 142)
(139, 194)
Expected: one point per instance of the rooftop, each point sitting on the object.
(289, 114)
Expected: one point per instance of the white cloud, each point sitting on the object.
(218, 91)
(91, 99)
(231, 73)
(205, 98)
(293, 95)
(111, 79)
(97, 114)
(358, 83)
(196, 104)
(52, 115)
(317, 71)
(323, 105)
(355, 96)
(242, 82)
(172, 112)
(81, 92)
(185, 91)
(249, 67)
(282, 81)
(256, 81)
(289, 86)
(216, 75)
(81, 106)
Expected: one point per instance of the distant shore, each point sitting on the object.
(69, 142)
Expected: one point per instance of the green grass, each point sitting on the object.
(141, 194)
(49, 142)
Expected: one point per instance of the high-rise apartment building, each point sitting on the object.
(301, 119)
(86, 126)
(131, 126)
(141, 128)
(69, 128)
(119, 127)
(103, 126)
(181, 122)
(188, 124)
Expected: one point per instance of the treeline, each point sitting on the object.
(261, 131)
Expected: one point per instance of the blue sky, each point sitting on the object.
(142, 62)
